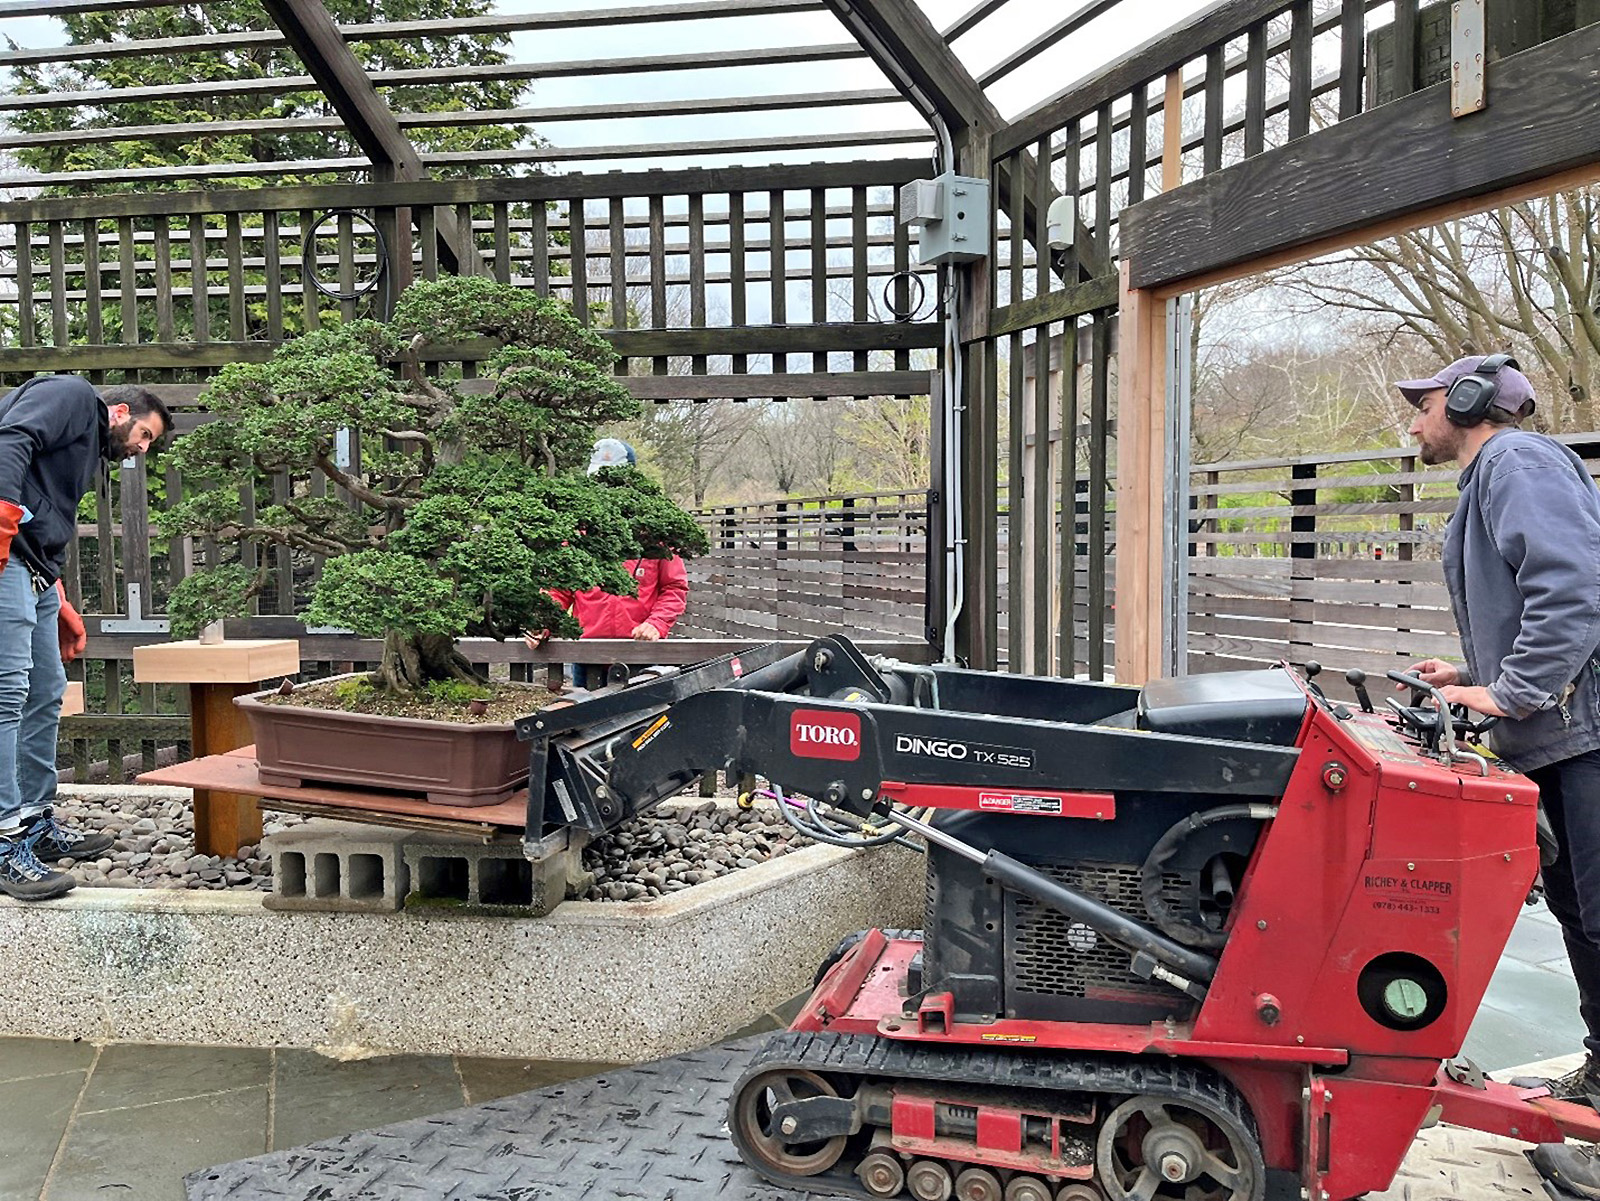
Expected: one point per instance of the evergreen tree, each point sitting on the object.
(465, 505)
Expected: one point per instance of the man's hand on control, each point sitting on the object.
(1438, 673)
(1474, 697)
(645, 632)
(535, 638)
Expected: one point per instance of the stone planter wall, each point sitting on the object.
(592, 981)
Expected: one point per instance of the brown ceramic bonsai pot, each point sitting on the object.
(453, 764)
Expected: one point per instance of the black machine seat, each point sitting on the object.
(1245, 706)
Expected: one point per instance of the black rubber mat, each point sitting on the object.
(655, 1133)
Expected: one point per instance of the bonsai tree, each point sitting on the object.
(469, 498)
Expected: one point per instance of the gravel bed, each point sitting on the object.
(686, 841)
(154, 848)
(681, 845)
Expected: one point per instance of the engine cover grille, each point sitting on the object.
(1050, 955)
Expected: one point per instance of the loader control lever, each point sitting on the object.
(1436, 726)
(1357, 679)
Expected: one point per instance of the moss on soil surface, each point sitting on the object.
(502, 701)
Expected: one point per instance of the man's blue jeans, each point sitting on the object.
(32, 681)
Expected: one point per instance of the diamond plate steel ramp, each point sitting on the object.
(1447, 1163)
(651, 1133)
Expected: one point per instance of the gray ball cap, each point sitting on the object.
(1515, 390)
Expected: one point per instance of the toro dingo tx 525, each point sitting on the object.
(1214, 939)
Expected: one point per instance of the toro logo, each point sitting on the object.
(824, 734)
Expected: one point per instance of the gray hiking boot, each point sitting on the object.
(22, 875)
(53, 841)
(1582, 1084)
(1574, 1169)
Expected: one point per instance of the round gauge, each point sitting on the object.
(1405, 999)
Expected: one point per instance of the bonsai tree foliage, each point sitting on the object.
(469, 498)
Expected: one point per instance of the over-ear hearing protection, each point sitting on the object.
(1469, 398)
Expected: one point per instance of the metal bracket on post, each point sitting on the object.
(136, 622)
(1467, 54)
(1175, 499)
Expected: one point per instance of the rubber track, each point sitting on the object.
(888, 1060)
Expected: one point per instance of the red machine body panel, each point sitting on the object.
(1405, 857)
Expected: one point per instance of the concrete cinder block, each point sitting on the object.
(462, 874)
(338, 867)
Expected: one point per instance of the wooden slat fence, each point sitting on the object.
(1334, 559)
(810, 566)
(699, 276)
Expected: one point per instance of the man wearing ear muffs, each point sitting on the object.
(1522, 565)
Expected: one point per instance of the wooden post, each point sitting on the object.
(1172, 133)
(215, 674)
(1141, 438)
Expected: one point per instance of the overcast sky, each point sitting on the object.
(1090, 48)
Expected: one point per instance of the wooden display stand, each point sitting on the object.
(216, 673)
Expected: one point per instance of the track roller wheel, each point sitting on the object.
(929, 1180)
(756, 1130)
(1077, 1190)
(1027, 1188)
(978, 1184)
(1185, 1149)
(881, 1174)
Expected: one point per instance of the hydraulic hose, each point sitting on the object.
(817, 826)
(1169, 923)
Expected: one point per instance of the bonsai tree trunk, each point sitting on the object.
(411, 661)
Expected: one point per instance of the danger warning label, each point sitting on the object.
(1020, 802)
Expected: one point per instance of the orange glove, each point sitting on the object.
(10, 520)
(69, 629)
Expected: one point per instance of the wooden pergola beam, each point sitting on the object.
(459, 118)
(313, 36)
(388, 30)
(485, 72)
(777, 177)
(526, 154)
(66, 8)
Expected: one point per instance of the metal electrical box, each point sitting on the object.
(953, 212)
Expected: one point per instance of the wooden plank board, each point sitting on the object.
(522, 188)
(236, 772)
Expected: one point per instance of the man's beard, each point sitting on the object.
(1445, 451)
(121, 447)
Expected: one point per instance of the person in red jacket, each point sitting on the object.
(663, 595)
(663, 584)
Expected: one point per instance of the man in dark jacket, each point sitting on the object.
(56, 433)
(1522, 565)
